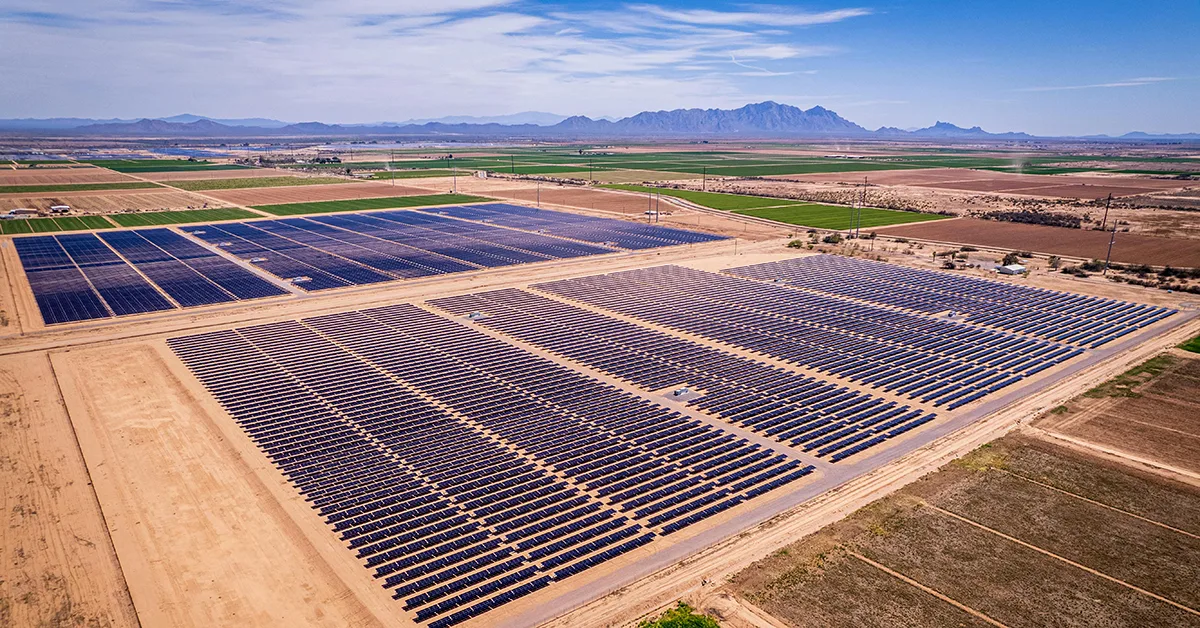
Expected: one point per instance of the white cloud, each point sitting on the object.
(369, 60)
(1133, 82)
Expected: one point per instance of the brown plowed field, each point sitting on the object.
(108, 202)
(311, 193)
(1129, 248)
(1059, 186)
(187, 175)
(61, 177)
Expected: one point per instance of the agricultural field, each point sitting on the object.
(136, 166)
(837, 217)
(1097, 543)
(76, 187)
(145, 219)
(789, 211)
(396, 202)
(414, 174)
(200, 185)
(1151, 412)
(342, 191)
(48, 225)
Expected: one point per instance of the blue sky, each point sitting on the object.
(1047, 67)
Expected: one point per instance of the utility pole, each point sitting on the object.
(704, 178)
(512, 164)
(591, 175)
(862, 200)
(455, 175)
(1104, 223)
(1111, 239)
(539, 195)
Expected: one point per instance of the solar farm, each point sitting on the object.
(491, 414)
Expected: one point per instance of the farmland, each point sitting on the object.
(290, 209)
(136, 166)
(76, 187)
(61, 223)
(413, 174)
(1097, 544)
(145, 219)
(836, 217)
(253, 182)
(789, 211)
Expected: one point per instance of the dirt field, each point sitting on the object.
(201, 540)
(1098, 544)
(59, 567)
(311, 193)
(61, 177)
(110, 202)
(1059, 186)
(1130, 248)
(1156, 418)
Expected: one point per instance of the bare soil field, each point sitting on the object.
(78, 193)
(202, 541)
(1130, 248)
(110, 202)
(245, 173)
(59, 567)
(61, 177)
(1156, 417)
(311, 193)
(1097, 544)
(1060, 186)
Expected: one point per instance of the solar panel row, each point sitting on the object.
(1076, 319)
(81, 276)
(934, 360)
(810, 413)
(462, 470)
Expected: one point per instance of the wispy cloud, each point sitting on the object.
(366, 60)
(774, 16)
(1133, 82)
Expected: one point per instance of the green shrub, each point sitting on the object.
(682, 616)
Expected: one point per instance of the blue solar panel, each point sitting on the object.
(62, 293)
(183, 284)
(238, 281)
(121, 287)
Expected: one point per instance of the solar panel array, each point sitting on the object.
(355, 249)
(619, 233)
(81, 276)
(463, 471)
(1075, 319)
(807, 412)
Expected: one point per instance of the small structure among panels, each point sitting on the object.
(82, 276)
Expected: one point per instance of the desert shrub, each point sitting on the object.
(682, 616)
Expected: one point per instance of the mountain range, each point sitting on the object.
(759, 120)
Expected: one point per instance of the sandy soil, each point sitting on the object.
(311, 193)
(59, 567)
(201, 540)
(90, 193)
(112, 202)
(61, 177)
(1129, 247)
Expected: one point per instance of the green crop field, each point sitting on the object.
(160, 165)
(363, 204)
(75, 187)
(146, 219)
(714, 200)
(42, 162)
(49, 225)
(836, 217)
(416, 174)
(197, 185)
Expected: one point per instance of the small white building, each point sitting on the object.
(1011, 269)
